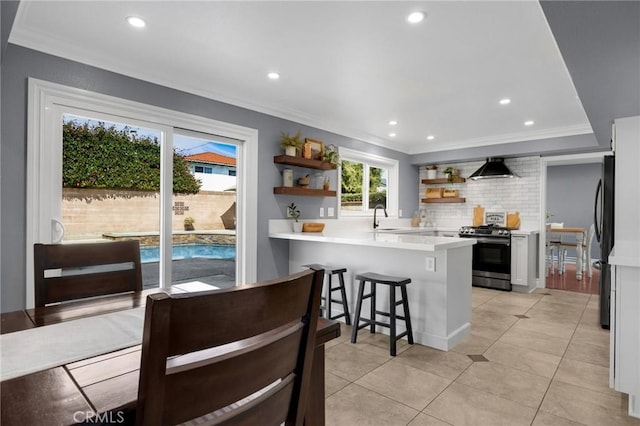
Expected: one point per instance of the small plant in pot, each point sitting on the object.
(188, 223)
(294, 212)
(450, 173)
(290, 144)
(432, 171)
(330, 155)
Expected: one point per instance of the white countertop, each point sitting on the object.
(384, 239)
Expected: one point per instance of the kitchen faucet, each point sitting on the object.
(375, 209)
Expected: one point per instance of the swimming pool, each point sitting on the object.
(189, 251)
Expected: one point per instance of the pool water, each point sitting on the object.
(189, 251)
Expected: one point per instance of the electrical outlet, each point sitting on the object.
(431, 264)
(321, 211)
(330, 211)
(400, 213)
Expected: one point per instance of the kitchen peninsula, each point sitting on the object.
(439, 267)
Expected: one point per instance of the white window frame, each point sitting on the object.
(47, 100)
(372, 160)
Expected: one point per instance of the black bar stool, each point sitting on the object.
(393, 283)
(328, 299)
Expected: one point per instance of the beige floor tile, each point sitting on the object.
(403, 383)
(570, 296)
(584, 375)
(554, 315)
(478, 299)
(506, 382)
(593, 354)
(473, 344)
(444, 364)
(528, 299)
(591, 335)
(492, 318)
(425, 420)
(345, 335)
(594, 302)
(349, 362)
(590, 317)
(535, 341)
(333, 383)
(462, 405)
(524, 359)
(543, 327)
(546, 419)
(355, 405)
(380, 343)
(586, 406)
(489, 331)
(505, 306)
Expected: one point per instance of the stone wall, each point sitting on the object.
(90, 213)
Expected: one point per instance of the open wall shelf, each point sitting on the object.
(297, 190)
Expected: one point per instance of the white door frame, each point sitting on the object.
(557, 160)
(47, 100)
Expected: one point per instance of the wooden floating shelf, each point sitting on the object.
(296, 190)
(438, 181)
(303, 162)
(444, 200)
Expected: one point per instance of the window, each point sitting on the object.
(232, 172)
(367, 180)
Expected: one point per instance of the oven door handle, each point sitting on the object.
(497, 241)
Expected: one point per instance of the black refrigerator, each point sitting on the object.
(603, 220)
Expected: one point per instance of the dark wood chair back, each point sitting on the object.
(88, 270)
(235, 356)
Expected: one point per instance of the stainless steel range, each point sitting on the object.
(491, 256)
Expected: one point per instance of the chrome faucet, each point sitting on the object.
(375, 210)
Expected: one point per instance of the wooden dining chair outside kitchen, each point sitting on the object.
(234, 356)
(86, 270)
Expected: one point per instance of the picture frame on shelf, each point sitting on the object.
(317, 148)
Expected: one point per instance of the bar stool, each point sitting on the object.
(330, 271)
(393, 283)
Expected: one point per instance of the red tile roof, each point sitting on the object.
(211, 158)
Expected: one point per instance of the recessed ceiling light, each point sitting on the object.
(431, 137)
(528, 123)
(393, 122)
(392, 135)
(134, 21)
(505, 101)
(415, 17)
(273, 75)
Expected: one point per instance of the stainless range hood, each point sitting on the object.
(493, 168)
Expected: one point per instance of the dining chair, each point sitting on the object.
(234, 356)
(586, 251)
(65, 272)
(554, 239)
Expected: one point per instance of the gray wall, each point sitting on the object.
(20, 63)
(571, 192)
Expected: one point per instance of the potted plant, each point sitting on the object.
(188, 223)
(293, 212)
(290, 144)
(450, 173)
(432, 171)
(330, 155)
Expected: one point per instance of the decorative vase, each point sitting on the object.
(431, 173)
(297, 226)
(290, 151)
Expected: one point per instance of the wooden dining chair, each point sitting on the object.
(65, 272)
(585, 243)
(238, 356)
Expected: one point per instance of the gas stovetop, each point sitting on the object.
(489, 231)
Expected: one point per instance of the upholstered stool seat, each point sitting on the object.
(330, 271)
(360, 322)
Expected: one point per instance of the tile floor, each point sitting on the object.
(547, 366)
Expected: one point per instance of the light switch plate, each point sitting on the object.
(330, 211)
(321, 211)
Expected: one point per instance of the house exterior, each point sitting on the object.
(216, 172)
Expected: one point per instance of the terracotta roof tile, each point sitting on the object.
(211, 158)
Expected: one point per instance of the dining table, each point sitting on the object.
(103, 388)
(580, 234)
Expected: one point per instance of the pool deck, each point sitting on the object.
(218, 272)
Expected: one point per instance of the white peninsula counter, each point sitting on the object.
(439, 267)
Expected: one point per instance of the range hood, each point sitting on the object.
(493, 168)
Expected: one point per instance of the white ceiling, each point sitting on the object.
(346, 67)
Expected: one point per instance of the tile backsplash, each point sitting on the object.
(519, 194)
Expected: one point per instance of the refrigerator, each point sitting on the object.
(603, 220)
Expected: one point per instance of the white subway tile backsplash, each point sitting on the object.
(519, 194)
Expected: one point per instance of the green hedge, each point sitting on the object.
(101, 157)
(374, 198)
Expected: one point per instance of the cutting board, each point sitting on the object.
(513, 220)
(478, 215)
